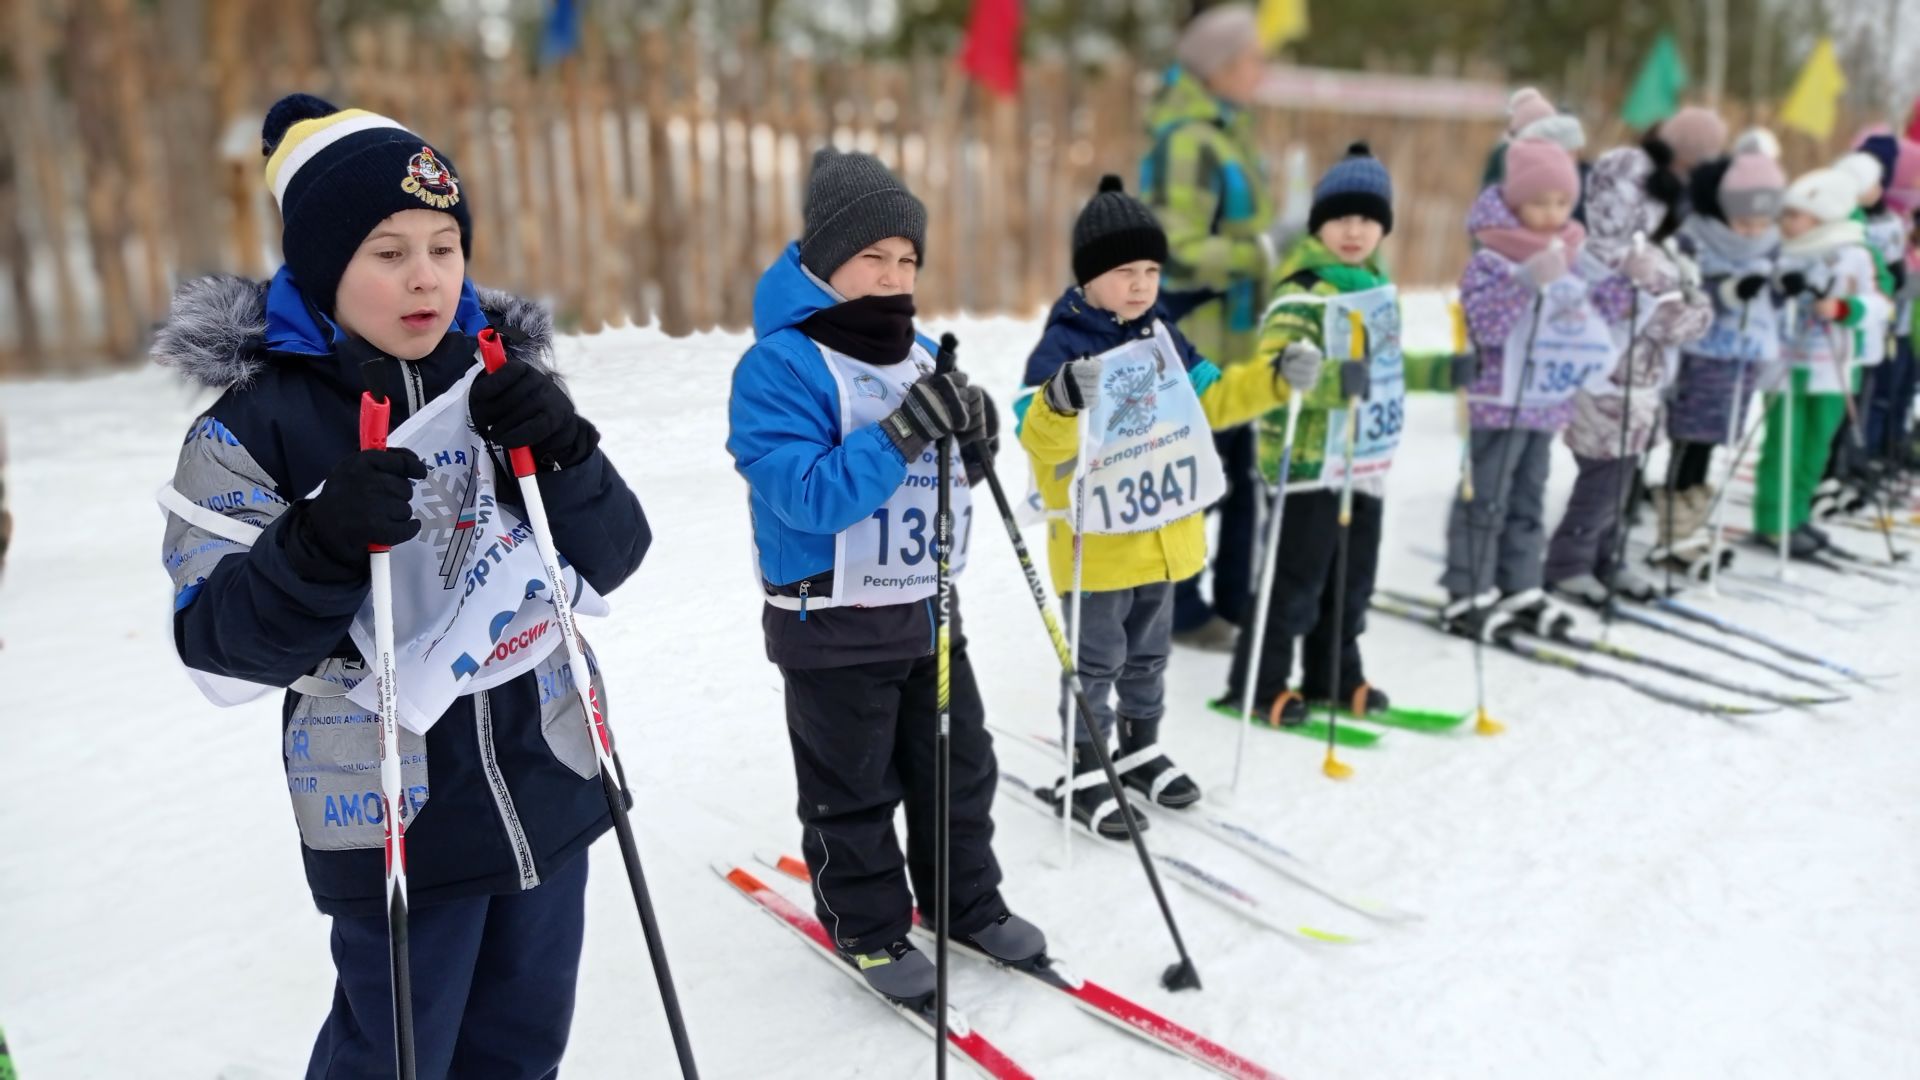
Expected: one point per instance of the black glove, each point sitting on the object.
(1793, 283)
(1750, 286)
(936, 406)
(367, 500)
(520, 405)
(1465, 369)
(1356, 380)
(980, 442)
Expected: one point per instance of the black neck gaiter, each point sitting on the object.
(872, 329)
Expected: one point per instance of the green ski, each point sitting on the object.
(1425, 721)
(1315, 728)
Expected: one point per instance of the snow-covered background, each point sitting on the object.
(1612, 888)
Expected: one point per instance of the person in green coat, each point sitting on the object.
(1205, 182)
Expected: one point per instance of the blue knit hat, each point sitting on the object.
(1357, 184)
(337, 173)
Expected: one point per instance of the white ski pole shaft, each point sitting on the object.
(375, 416)
(1269, 561)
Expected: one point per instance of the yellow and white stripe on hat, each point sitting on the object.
(307, 139)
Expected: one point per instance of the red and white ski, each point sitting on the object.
(1101, 1003)
(968, 1043)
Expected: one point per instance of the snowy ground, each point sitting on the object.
(1612, 888)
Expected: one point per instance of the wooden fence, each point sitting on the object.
(648, 176)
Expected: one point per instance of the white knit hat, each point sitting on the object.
(1828, 194)
(1863, 169)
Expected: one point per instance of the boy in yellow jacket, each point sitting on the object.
(1101, 373)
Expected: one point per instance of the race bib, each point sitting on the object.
(1568, 339)
(891, 556)
(1748, 333)
(1146, 448)
(472, 608)
(1383, 412)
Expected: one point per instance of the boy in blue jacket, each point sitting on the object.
(503, 798)
(835, 414)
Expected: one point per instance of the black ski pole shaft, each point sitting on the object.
(1333, 767)
(1181, 975)
(942, 777)
(649, 925)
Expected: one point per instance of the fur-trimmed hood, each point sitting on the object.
(217, 331)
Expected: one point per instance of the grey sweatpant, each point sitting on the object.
(1587, 537)
(1500, 538)
(1125, 638)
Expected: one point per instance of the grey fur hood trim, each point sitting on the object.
(215, 330)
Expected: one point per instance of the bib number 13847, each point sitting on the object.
(1144, 494)
(917, 530)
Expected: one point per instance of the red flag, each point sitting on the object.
(991, 53)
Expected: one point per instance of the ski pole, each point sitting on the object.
(1622, 490)
(1859, 438)
(1269, 560)
(943, 756)
(1073, 629)
(1716, 511)
(1353, 373)
(375, 415)
(1786, 468)
(494, 354)
(1181, 975)
(1483, 724)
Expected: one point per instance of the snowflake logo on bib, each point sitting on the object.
(1567, 310)
(868, 386)
(1133, 393)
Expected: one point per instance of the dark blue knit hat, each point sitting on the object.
(1356, 184)
(1886, 150)
(337, 173)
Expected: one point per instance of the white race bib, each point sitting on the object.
(1383, 412)
(472, 608)
(1569, 341)
(1749, 333)
(1146, 450)
(890, 557)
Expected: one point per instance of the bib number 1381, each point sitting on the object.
(1145, 494)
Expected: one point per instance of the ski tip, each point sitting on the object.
(1328, 937)
(739, 877)
(789, 865)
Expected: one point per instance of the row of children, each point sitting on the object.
(1699, 279)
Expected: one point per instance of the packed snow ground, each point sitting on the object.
(1613, 888)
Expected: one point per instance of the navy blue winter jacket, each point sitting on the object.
(504, 788)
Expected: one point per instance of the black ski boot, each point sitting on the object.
(899, 971)
(1010, 940)
(1533, 612)
(1475, 617)
(1093, 803)
(1145, 768)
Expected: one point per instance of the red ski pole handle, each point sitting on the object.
(375, 416)
(493, 353)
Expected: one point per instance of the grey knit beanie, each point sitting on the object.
(1216, 37)
(1113, 230)
(853, 202)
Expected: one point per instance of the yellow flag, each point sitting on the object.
(1282, 21)
(1813, 103)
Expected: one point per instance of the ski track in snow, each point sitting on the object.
(1613, 888)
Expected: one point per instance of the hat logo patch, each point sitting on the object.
(430, 181)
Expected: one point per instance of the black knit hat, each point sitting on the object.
(338, 173)
(1356, 185)
(853, 202)
(1113, 230)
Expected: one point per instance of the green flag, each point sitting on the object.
(1656, 90)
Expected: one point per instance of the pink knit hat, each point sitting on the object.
(1752, 187)
(1903, 193)
(1525, 106)
(1536, 167)
(1696, 134)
